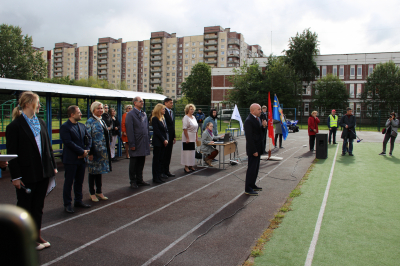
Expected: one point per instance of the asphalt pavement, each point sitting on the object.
(149, 225)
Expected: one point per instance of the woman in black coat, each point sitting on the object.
(116, 126)
(27, 137)
(160, 141)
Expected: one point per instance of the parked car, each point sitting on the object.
(225, 114)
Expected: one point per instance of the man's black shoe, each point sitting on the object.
(335, 143)
(68, 209)
(133, 185)
(81, 205)
(281, 147)
(142, 183)
(251, 193)
(343, 153)
(350, 154)
(158, 181)
(170, 175)
(257, 188)
(164, 176)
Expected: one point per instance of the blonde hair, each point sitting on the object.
(94, 106)
(157, 112)
(27, 97)
(187, 107)
(314, 112)
(127, 106)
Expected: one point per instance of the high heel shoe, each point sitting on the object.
(101, 196)
(95, 199)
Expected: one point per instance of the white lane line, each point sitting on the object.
(313, 244)
(207, 219)
(135, 221)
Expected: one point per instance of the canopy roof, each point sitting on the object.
(69, 91)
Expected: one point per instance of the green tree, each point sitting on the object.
(18, 59)
(251, 84)
(382, 89)
(197, 86)
(330, 93)
(159, 90)
(300, 55)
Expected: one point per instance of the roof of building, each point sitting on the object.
(41, 88)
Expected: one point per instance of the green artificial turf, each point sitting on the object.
(361, 224)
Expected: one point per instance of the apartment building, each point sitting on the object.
(352, 69)
(164, 60)
(47, 56)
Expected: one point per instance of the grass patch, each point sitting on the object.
(278, 218)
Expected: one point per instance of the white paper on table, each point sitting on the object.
(7, 157)
(52, 185)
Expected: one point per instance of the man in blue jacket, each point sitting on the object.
(200, 116)
(77, 144)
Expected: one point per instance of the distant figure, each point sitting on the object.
(348, 123)
(27, 137)
(332, 125)
(313, 122)
(99, 155)
(200, 116)
(392, 124)
(137, 130)
(169, 119)
(114, 132)
(107, 117)
(278, 133)
(160, 141)
(213, 119)
(189, 139)
(73, 135)
(124, 137)
(264, 116)
(254, 128)
(206, 139)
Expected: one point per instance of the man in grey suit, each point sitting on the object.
(137, 130)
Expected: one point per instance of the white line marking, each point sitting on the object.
(317, 229)
(135, 221)
(204, 221)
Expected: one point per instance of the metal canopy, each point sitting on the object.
(69, 91)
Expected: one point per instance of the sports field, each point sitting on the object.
(360, 223)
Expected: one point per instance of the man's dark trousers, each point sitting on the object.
(332, 131)
(74, 174)
(252, 171)
(136, 165)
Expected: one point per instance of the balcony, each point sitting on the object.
(102, 46)
(210, 37)
(156, 47)
(156, 76)
(211, 55)
(104, 77)
(156, 64)
(155, 53)
(58, 50)
(58, 55)
(59, 60)
(153, 87)
(103, 72)
(104, 51)
(102, 57)
(233, 41)
(211, 43)
(156, 41)
(58, 65)
(102, 62)
(156, 58)
(155, 70)
(155, 81)
(212, 61)
(233, 55)
(57, 70)
(58, 75)
(211, 49)
(102, 67)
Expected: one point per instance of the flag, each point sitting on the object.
(236, 116)
(270, 122)
(278, 115)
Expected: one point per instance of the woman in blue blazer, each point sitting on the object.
(160, 141)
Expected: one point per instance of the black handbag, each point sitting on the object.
(198, 155)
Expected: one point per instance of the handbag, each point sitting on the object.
(198, 155)
(384, 131)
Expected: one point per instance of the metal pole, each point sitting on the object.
(60, 116)
(87, 108)
(119, 117)
(48, 116)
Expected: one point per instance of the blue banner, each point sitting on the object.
(278, 115)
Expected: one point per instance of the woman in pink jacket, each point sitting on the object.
(313, 122)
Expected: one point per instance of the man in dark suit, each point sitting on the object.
(169, 119)
(348, 123)
(73, 135)
(254, 128)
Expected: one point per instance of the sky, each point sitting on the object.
(343, 27)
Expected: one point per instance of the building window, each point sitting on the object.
(324, 71)
(186, 73)
(222, 53)
(352, 71)
(334, 70)
(352, 91)
(359, 90)
(359, 71)
(222, 46)
(187, 44)
(306, 90)
(341, 72)
(306, 108)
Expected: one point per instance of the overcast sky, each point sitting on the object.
(342, 26)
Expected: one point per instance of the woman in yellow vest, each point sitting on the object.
(332, 125)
